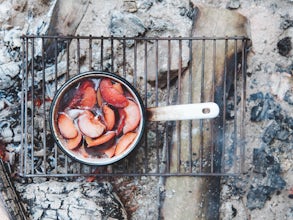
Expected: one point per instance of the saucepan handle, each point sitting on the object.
(204, 110)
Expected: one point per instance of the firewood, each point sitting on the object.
(199, 198)
(10, 204)
(65, 19)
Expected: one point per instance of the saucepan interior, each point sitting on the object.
(97, 123)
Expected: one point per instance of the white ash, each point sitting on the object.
(7, 72)
(71, 200)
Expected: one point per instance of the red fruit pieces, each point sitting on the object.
(89, 98)
(121, 123)
(100, 140)
(111, 94)
(85, 96)
(90, 125)
(109, 117)
(118, 87)
(99, 98)
(132, 117)
(110, 151)
(98, 118)
(66, 126)
(73, 142)
(124, 142)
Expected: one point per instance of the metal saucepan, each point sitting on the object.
(97, 118)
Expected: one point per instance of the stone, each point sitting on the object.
(125, 24)
(284, 46)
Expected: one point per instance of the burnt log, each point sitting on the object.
(199, 197)
(11, 206)
(65, 19)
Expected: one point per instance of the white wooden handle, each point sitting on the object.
(183, 112)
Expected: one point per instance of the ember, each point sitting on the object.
(2, 150)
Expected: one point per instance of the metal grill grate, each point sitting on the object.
(156, 67)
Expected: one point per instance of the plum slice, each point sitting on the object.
(90, 125)
(109, 117)
(66, 126)
(111, 94)
(91, 142)
(85, 96)
(73, 142)
(132, 118)
(124, 142)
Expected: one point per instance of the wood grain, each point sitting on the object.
(198, 197)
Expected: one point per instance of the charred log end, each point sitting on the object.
(9, 201)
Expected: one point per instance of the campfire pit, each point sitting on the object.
(263, 190)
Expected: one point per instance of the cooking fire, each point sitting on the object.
(78, 145)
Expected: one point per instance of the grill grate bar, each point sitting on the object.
(243, 105)
(224, 102)
(213, 99)
(32, 107)
(148, 63)
(136, 38)
(44, 109)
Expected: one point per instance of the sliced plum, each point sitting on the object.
(66, 126)
(124, 142)
(90, 125)
(111, 95)
(132, 118)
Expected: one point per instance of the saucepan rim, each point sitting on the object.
(54, 112)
